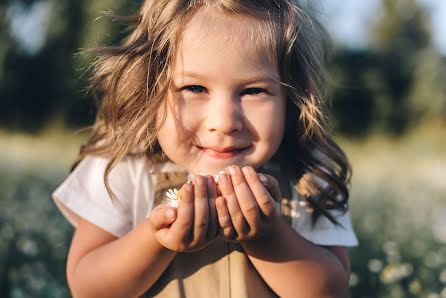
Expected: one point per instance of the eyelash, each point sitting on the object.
(254, 91)
(192, 87)
(247, 91)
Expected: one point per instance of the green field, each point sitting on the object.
(398, 206)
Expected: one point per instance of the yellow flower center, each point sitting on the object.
(178, 195)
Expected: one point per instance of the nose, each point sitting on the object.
(224, 115)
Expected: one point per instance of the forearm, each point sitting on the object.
(125, 267)
(295, 267)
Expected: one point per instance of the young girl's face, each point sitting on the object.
(225, 105)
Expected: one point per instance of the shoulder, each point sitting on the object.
(84, 194)
(130, 166)
(90, 175)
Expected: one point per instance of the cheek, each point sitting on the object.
(167, 129)
(268, 121)
(179, 124)
(275, 132)
(188, 118)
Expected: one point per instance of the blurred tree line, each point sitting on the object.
(389, 86)
(397, 81)
(41, 83)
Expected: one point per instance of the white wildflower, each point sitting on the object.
(375, 265)
(173, 197)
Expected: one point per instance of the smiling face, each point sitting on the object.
(225, 105)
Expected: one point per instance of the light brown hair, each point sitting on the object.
(132, 81)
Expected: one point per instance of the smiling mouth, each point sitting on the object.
(222, 153)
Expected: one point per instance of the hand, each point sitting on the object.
(246, 208)
(194, 224)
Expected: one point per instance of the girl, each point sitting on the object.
(218, 86)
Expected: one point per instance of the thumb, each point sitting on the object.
(162, 216)
(271, 185)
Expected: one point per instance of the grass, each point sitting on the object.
(398, 207)
(53, 148)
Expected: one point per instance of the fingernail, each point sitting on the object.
(263, 178)
(245, 170)
(188, 187)
(222, 177)
(170, 214)
(248, 170)
(199, 180)
(232, 170)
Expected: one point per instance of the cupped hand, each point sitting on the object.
(246, 208)
(194, 224)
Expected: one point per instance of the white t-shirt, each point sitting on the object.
(83, 194)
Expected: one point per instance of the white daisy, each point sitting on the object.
(173, 197)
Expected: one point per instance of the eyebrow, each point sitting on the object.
(251, 79)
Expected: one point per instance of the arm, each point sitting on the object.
(101, 265)
(288, 263)
(284, 256)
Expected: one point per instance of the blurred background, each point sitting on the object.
(389, 115)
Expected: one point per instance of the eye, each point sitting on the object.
(253, 91)
(195, 88)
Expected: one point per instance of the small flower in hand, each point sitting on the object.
(173, 197)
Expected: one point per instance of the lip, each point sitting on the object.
(222, 152)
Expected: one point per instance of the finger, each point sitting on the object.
(162, 216)
(272, 186)
(263, 197)
(237, 217)
(218, 184)
(185, 214)
(201, 210)
(245, 197)
(224, 218)
(212, 195)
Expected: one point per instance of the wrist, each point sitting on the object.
(271, 233)
(153, 240)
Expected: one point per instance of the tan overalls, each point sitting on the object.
(221, 269)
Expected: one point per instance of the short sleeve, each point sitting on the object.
(84, 195)
(323, 232)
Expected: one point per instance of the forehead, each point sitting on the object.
(209, 21)
(211, 32)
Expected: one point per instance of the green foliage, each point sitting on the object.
(398, 209)
(39, 86)
(389, 86)
(402, 27)
(34, 236)
(394, 83)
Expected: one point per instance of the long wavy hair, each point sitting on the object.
(132, 80)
